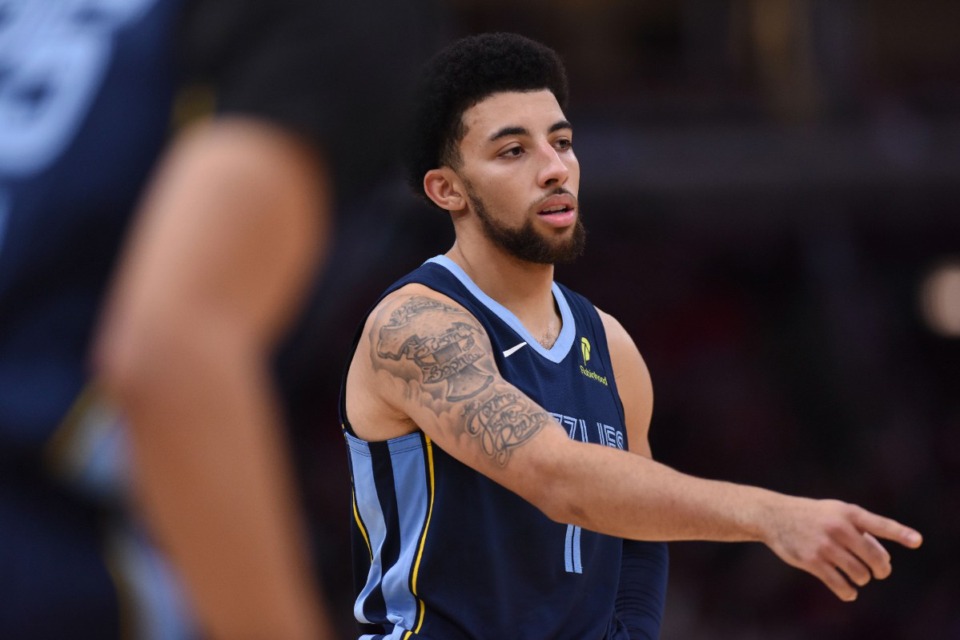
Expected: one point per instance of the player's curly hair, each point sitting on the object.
(463, 74)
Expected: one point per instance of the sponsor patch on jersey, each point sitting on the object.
(585, 349)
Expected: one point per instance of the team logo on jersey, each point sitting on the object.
(589, 373)
(49, 85)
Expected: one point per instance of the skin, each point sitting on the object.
(225, 243)
(396, 384)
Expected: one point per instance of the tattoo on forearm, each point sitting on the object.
(503, 422)
(446, 352)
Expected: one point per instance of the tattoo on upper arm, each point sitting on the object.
(445, 344)
(445, 352)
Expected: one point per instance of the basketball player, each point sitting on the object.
(497, 422)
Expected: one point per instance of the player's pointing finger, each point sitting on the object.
(888, 529)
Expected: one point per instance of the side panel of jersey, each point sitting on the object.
(444, 552)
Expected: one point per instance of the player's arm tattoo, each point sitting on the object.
(503, 420)
(441, 341)
(454, 374)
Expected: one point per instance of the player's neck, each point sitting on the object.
(525, 288)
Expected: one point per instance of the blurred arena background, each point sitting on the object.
(772, 192)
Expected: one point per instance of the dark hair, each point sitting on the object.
(463, 74)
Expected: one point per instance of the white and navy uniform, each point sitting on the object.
(441, 551)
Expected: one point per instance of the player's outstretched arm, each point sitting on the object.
(427, 362)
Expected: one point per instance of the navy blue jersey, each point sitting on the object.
(444, 553)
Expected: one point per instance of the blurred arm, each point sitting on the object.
(228, 236)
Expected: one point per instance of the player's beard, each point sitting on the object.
(526, 243)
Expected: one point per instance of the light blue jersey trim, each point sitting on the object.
(412, 494)
(413, 497)
(162, 611)
(560, 348)
(368, 506)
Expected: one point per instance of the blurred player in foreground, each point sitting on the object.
(233, 226)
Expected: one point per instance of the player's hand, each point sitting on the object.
(837, 542)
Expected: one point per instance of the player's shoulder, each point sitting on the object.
(415, 304)
(617, 335)
(415, 294)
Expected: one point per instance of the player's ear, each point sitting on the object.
(444, 188)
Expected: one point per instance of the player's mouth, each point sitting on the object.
(558, 210)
